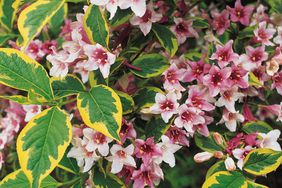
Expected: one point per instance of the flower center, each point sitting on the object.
(217, 79)
(101, 56)
(167, 105)
(99, 138)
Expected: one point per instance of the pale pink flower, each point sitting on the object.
(202, 157)
(183, 29)
(203, 128)
(112, 6)
(240, 154)
(230, 119)
(96, 141)
(272, 67)
(172, 76)
(230, 164)
(99, 2)
(120, 157)
(3, 140)
(269, 140)
(278, 38)
(220, 21)
(31, 111)
(82, 68)
(145, 176)
(99, 57)
(260, 15)
(147, 150)
(253, 57)
(137, 6)
(240, 13)
(166, 105)
(224, 54)
(168, 150)
(277, 82)
(275, 109)
(196, 70)
(264, 34)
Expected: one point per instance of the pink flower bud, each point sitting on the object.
(218, 154)
(218, 138)
(203, 156)
(229, 164)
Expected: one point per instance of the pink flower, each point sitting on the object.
(166, 105)
(230, 119)
(198, 98)
(48, 45)
(177, 136)
(202, 157)
(145, 176)
(99, 57)
(3, 140)
(238, 77)
(82, 68)
(260, 15)
(240, 13)
(127, 131)
(230, 164)
(240, 154)
(196, 70)
(137, 6)
(216, 79)
(275, 109)
(224, 54)
(278, 38)
(203, 128)
(1, 160)
(99, 2)
(183, 29)
(264, 35)
(277, 82)
(120, 157)
(253, 57)
(111, 5)
(189, 116)
(269, 140)
(31, 111)
(145, 22)
(146, 150)
(34, 50)
(172, 76)
(220, 21)
(247, 113)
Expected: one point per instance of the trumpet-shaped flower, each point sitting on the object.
(240, 13)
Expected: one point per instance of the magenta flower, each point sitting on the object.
(275, 109)
(216, 79)
(277, 82)
(238, 77)
(127, 131)
(196, 70)
(240, 13)
(145, 176)
(253, 57)
(220, 21)
(264, 34)
(146, 150)
(224, 54)
(203, 128)
(178, 136)
(172, 76)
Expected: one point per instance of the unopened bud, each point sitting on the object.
(203, 156)
(218, 154)
(229, 164)
(217, 138)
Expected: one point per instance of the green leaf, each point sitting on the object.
(166, 38)
(156, 128)
(96, 78)
(101, 109)
(145, 97)
(19, 71)
(96, 26)
(69, 85)
(126, 101)
(18, 179)
(207, 143)
(19, 99)
(262, 161)
(58, 19)
(218, 166)
(8, 10)
(276, 5)
(33, 18)
(200, 23)
(225, 179)
(193, 56)
(69, 164)
(255, 185)
(42, 144)
(254, 81)
(120, 17)
(151, 65)
(4, 37)
(256, 126)
(247, 32)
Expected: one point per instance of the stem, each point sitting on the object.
(71, 182)
(131, 66)
(67, 102)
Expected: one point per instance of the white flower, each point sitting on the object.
(202, 157)
(230, 119)
(269, 140)
(137, 6)
(120, 157)
(31, 111)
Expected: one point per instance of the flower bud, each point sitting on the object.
(217, 138)
(218, 154)
(272, 67)
(203, 156)
(229, 164)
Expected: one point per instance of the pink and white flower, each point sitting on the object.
(238, 77)
(269, 140)
(277, 82)
(183, 29)
(198, 98)
(178, 136)
(31, 111)
(220, 21)
(120, 157)
(240, 13)
(264, 34)
(230, 119)
(202, 157)
(196, 70)
(230, 164)
(240, 154)
(147, 150)
(137, 6)
(278, 38)
(172, 76)
(145, 176)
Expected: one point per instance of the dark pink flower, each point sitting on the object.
(240, 13)
(220, 21)
(145, 176)
(127, 130)
(196, 70)
(146, 150)
(177, 136)
(183, 29)
(238, 77)
(277, 82)
(172, 76)
(247, 113)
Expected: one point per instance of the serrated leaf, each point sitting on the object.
(207, 143)
(145, 97)
(262, 161)
(8, 10)
(33, 18)
(58, 19)
(69, 85)
(218, 166)
(151, 65)
(156, 128)
(226, 179)
(18, 179)
(96, 26)
(167, 39)
(256, 126)
(96, 78)
(19, 71)
(42, 144)
(101, 109)
(126, 101)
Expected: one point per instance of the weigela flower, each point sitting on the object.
(183, 29)
(168, 150)
(99, 57)
(111, 5)
(269, 140)
(230, 119)
(31, 111)
(1, 160)
(82, 68)
(220, 21)
(127, 131)
(240, 13)
(260, 15)
(272, 67)
(216, 79)
(253, 57)
(166, 105)
(264, 34)
(240, 154)
(203, 128)
(224, 54)
(177, 136)
(238, 77)
(230, 164)
(120, 157)
(145, 176)
(277, 82)
(137, 6)
(172, 76)
(96, 141)
(202, 157)
(146, 150)
(34, 50)
(278, 38)
(196, 70)
(145, 22)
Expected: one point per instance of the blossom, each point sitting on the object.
(177, 136)
(196, 70)
(216, 79)
(220, 21)
(99, 57)
(277, 82)
(120, 157)
(145, 22)
(224, 54)
(31, 111)
(1, 160)
(172, 76)
(240, 13)
(264, 34)
(253, 57)
(269, 140)
(278, 38)
(144, 176)
(168, 150)
(202, 157)
(137, 6)
(230, 119)
(166, 105)
(127, 131)
(230, 164)
(260, 15)
(238, 77)
(183, 29)
(197, 98)
(147, 149)
(96, 141)
(82, 68)
(240, 154)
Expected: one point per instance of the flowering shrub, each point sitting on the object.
(121, 93)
